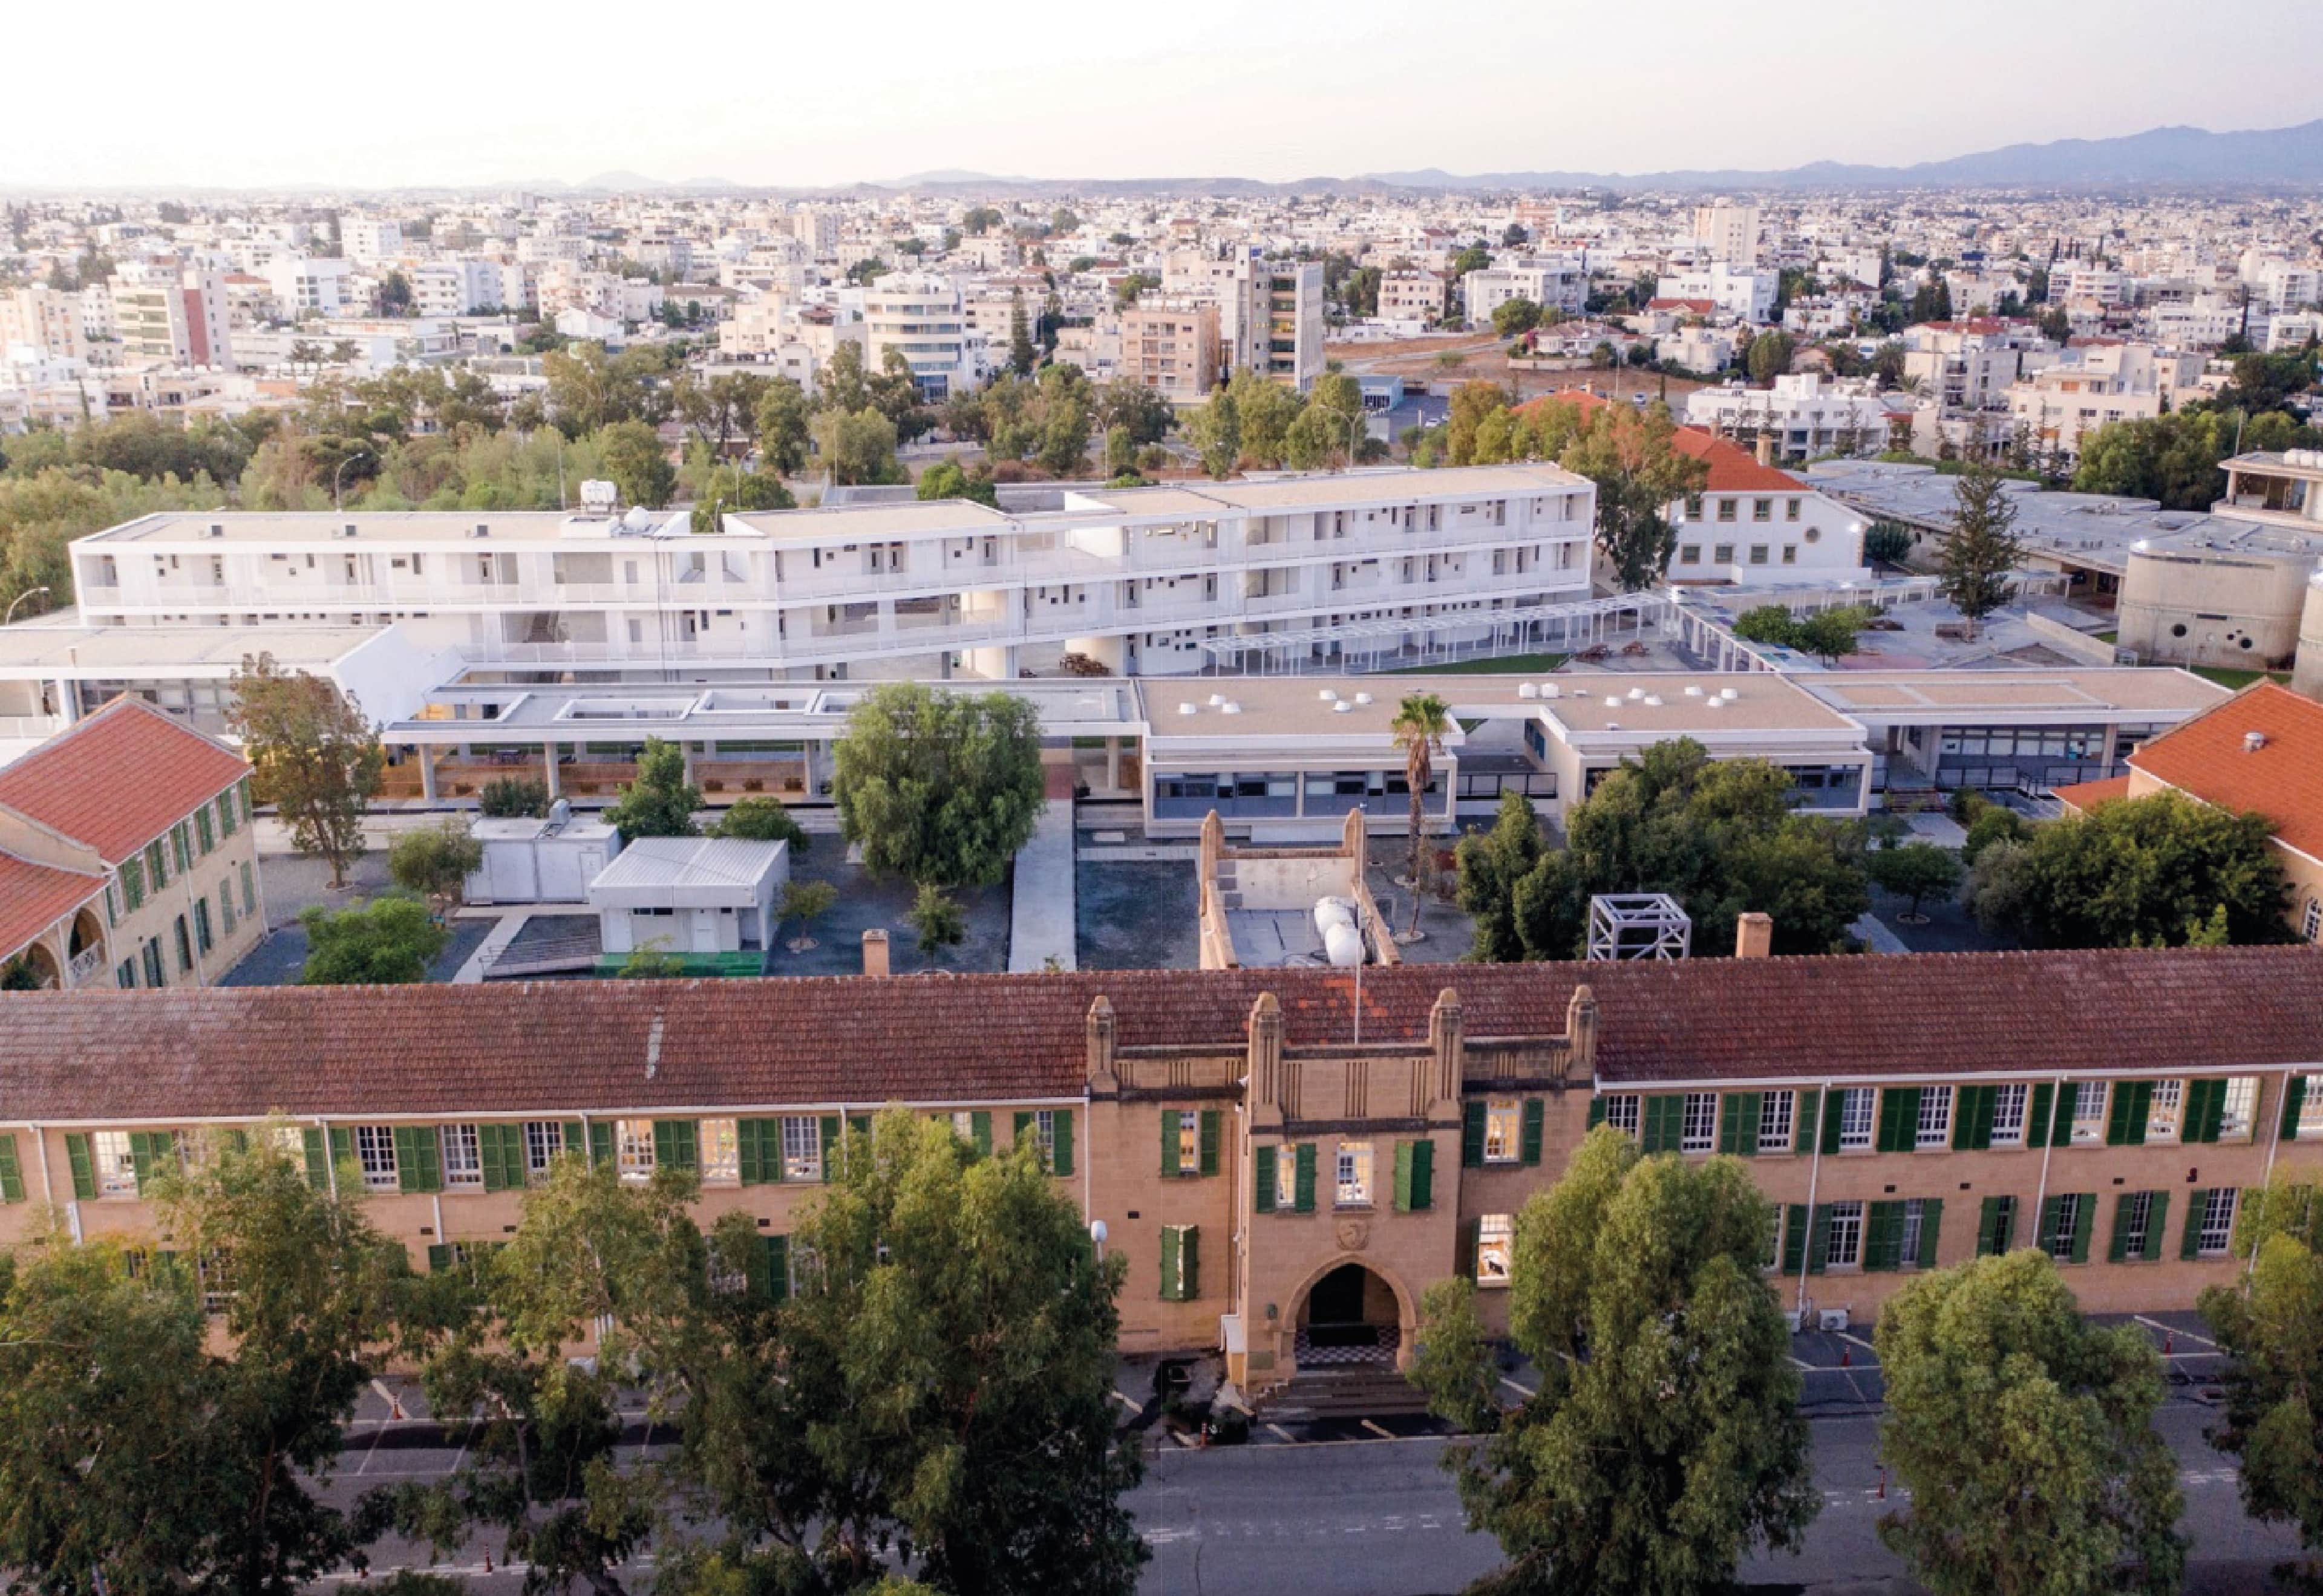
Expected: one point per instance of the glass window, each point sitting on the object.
(2217, 1222)
(1843, 1248)
(116, 1171)
(720, 1151)
(1495, 1247)
(963, 1124)
(1503, 1118)
(1772, 1255)
(1689, 554)
(1698, 1131)
(1044, 1132)
(2164, 1113)
(1762, 509)
(1935, 1127)
(1915, 1212)
(1189, 1141)
(463, 1158)
(1355, 1186)
(2310, 1111)
(1856, 1115)
(202, 937)
(2004, 1223)
(2237, 1117)
(802, 1148)
(2136, 1222)
(2088, 1113)
(1721, 554)
(633, 1148)
(1622, 1112)
(1726, 509)
(544, 1139)
(1775, 1110)
(1286, 1177)
(1759, 553)
(2008, 1114)
(375, 1151)
(2059, 1240)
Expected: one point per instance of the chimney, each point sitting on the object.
(1754, 935)
(875, 952)
(1766, 447)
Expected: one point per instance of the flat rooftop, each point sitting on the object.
(962, 517)
(82, 651)
(2094, 529)
(2249, 540)
(1936, 696)
(327, 528)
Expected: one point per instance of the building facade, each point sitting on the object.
(1284, 1167)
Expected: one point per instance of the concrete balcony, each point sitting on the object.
(88, 964)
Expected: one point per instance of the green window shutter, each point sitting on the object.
(1882, 1230)
(576, 1138)
(1172, 1287)
(1833, 1104)
(600, 1143)
(1893, 1103)
(2154, 1221)
(2084, 1214)
(1987, 1104)
(2196, 1110)
(833, 1145)
(776, 1251)
(2060, 1129)
(1738, 1124)
(1263, 1181)
(431, 1159)
(2052, 1209)
(1965, 1112)
(1304, 1179)
(1209, 1141)
(2213, 1109)
(689, 1144)
(1169, 1126)
(979, 1129)
(12, 1174)
(318, 1160)
(2119, 1103)
(1932, 1224)
(1403, 1198)
(1472, 1132)
(1794, 1238)
(2189, 1242)
(342, 1146)
(1535, 1114)
(1657, 1127)
(2141, 1109)
(439, 1259)
(141, 1158)
(1061, 1155)
(406, 1159)
(1596, 1118)
(860, 1121)
(492, 1154)
(1810, 1106)
(2036, 1117)
(749, 1155)
(1423, 1176)
(1463, 1252)
(1988, 1228)
(1819, 1239)
(2117, 1249)
(1023, 1136)
(2294, 1098)
(664, 1143)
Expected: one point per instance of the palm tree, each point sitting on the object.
(1420, 721)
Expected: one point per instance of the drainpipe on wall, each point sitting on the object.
(1814, 1175)
(2048, 1150)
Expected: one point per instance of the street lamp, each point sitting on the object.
(339, 476)
(19, 599)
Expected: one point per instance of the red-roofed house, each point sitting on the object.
(126, 855)
(1753, 524)
(2261, 750)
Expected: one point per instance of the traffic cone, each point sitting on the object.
(2168, 1340)
(1846, 1356)
(1883, 1485)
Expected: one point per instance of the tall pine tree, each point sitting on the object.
(1981, 552)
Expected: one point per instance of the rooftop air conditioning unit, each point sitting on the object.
(348, 530)
(215, 530)
(1794, 1317)
(1831, 1319)
(480, 530)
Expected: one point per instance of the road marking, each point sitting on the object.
(1184, 1439)
(1381, 1431)
(1810, 1367)
(1858, 1340)
(1286, 1434)
(1522, 1390)
(2172, 1330)
(1126, 1402)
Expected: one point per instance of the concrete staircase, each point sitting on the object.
(1362, 1391)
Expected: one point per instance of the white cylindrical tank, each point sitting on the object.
(1342, 945)
(1331, 911)
(2307, 669)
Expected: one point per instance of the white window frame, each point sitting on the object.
(1915, 1215)
(963, 1124)
(544, 1143)
(2165, 1111)
(1859, 1118)
(2239, 1113)
(1352, 1169)
(2069, 1220)
(463, 1154)
(633, 1149)
(1503, 1129)
(2090, 1124)
(1698, 1126)
(375, 1153)
(2216, 1237)
(719, 1150)
(1935, 1129)
(1496, 1249)
(1622, 1112)
(1044, 1133)
(801, 1147)
(1189, 1141)
(116, 1167)
(1286, 1177)
(2310, 1127)
(2012, 1106)
(2311, 920)
(2137, 1226)
(1846, 1222)
(1778, 1112)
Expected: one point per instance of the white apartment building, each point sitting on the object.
(455, 287)
(1141, 580)
(1967, 365)
(918, 315)
(2277, 284)
(1728, 232)
(2097, 382)
(1270, 312)
(44, 322)
(165, 314)
(307, 285)
(1807, 413)
(1560, 282)
(1737, 290)
(369, 239)
(1414, 296)
(818, 230)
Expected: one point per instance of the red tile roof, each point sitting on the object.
(186, 1054)
(34, 897)
(120, 778)
(1732, 468)
(2087, 796)
(2282, 779)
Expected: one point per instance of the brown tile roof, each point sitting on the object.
(2283, 780)
(34, 897)
(2087, 796)
(1732, 468)
(563, 1046)
(120, 778)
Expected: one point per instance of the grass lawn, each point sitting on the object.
(2235, 680)
(1506, 665)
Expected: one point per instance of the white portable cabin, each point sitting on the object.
(550, 861)
(689, 895)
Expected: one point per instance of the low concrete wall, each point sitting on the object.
(2064, 640)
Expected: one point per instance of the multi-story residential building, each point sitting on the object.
(1967, 365)
(1808, 413)
(1561, 283)
(1270, 312)
(917, 314)
(309, 286)
(1138, 579)
(1170, 344)
(369, 239)
(1414, 296)
(1728, 232)
(1735, 289)
(171, 315)
(2096, 383)
(43, 320)
(455, 287)
(818, 230)
(1284, 1160)
(127, 855)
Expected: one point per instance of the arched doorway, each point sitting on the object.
(1349, 1317)
(87, 946)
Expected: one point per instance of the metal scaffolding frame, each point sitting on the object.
(1637, 925)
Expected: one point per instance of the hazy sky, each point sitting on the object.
(809, 92)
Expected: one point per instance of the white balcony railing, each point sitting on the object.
(87, 964)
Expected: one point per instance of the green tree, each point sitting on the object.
(762, 819)
(2024, 1435)
(317, 758)
(1474, 258)
(1264, 411)
(1768, 356)
(1490, 864)
(934, 1392)
(633, 455)
(805, 901)
(1980, 551)
(2174, 458)
(937, 921)
(1665, 1442)
(1021, 356)
(387, 941)
(785, 417)
(945, 479)
(2136, 872)
(939, 787)
(1830, 634)
(1886, 544)
(1421, 722)
(1639, 473)
(1120, 453)
(1127, 403)
(2269, 1326)
(1512, 316)
(1917, 871)
(1064, 442)
(1215, 429)
(1771, 624)
(510, 797)
(663, 799)
(858, 447)
(652, 961)
(434, 862)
